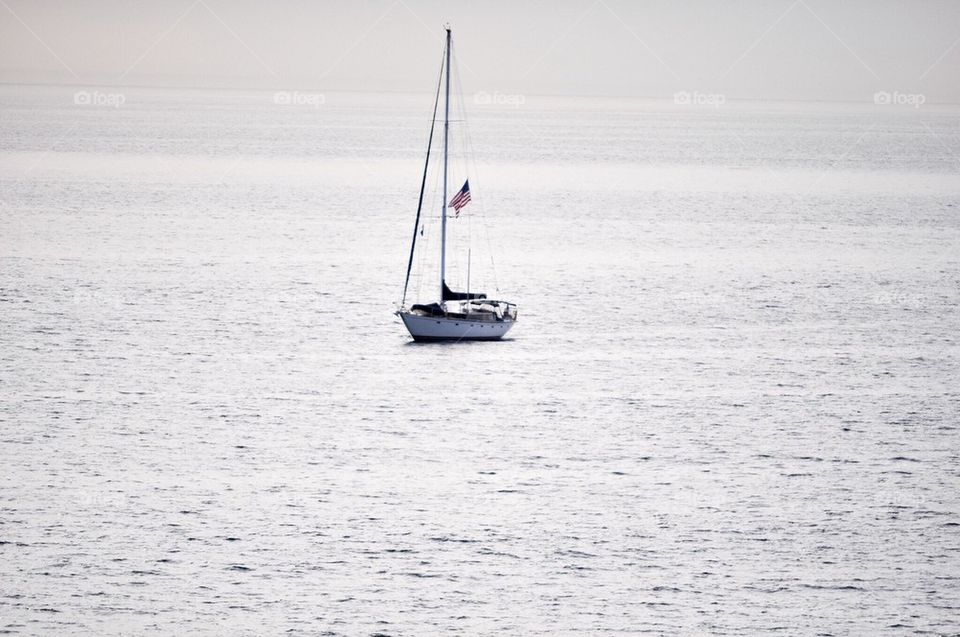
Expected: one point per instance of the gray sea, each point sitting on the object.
(730, 405)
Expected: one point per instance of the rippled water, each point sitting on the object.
(730, 405)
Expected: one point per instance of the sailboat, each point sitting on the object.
(456, 316)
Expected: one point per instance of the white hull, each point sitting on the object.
(438, 328)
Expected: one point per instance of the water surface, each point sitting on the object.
(730, 405)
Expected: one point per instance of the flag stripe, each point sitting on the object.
(462, 198)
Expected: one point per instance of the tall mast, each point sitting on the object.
(446, 135)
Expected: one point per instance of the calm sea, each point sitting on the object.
(730, 405)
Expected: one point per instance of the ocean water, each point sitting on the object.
(730, 405)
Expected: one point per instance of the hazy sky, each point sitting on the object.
(781, 49)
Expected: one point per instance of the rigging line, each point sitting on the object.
(426, 243)
(429, 241)
(465, 152)
(423, 185)
(426, 237)
(468, 158)
(468, 142)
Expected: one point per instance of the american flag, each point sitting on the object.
(462, 198)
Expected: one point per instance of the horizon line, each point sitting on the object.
(187, 87)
